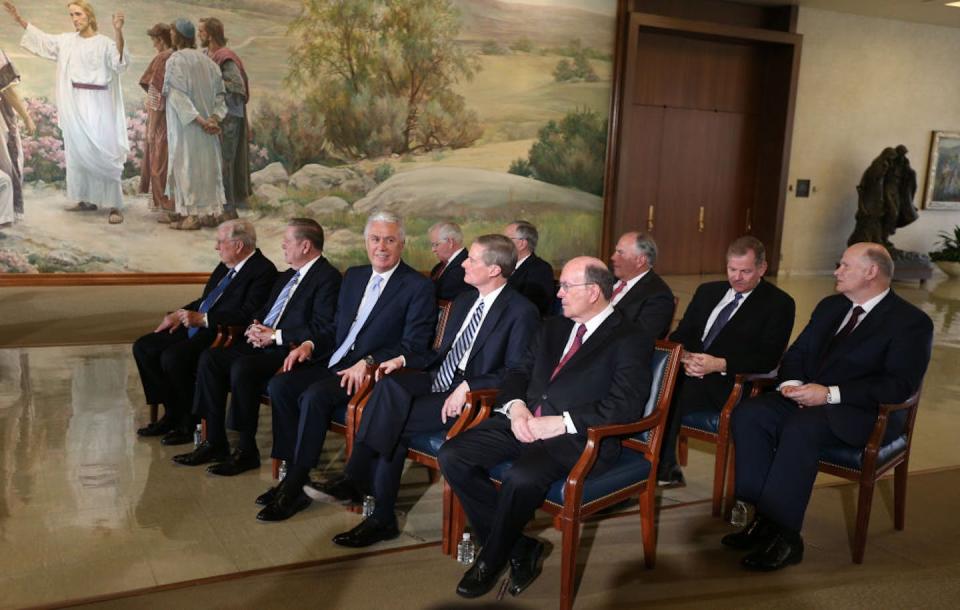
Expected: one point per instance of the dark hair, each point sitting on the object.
(179, 41)
(161, 31)
(309, 229)
(214, 29)
(646, 246)
(742, 245)
(602, 277)
(499, 250)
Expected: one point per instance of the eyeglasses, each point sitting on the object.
(565, 286)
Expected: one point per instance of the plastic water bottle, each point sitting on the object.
(465, 550)
(369, 503)
(740, 514)
(282, 471)
(198, 436)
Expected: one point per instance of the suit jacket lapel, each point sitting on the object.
(302, 289)
(594, 342)
(868, 326)
(395, 285)
(454, 322)
(489, 323)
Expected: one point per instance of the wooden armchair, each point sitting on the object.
(714, 427)
(581, 495)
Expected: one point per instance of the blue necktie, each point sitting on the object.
(455, 355)
(274, 314)
(211, 298)
(373, 293)
(722, 318)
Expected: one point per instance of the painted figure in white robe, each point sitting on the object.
(11, 150)
(89, 105)
(195, 99)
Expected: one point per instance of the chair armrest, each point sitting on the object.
(759, 382)
(483, 399)
(486, 399)
(907, 404)
(359, 400)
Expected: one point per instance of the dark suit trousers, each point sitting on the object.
(691, 395)
(303, 402)
(402, 406)
(168, 370)
(242, 371)
(498, 518)
(777, 447)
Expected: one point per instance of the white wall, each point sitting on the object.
(865, 83)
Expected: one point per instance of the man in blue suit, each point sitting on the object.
(862, 347)
(386, 309)
(300, 311)
(489, 330)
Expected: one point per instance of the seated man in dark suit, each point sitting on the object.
(533, 277)
(167, 358)
(489, 328)
(446, 242)
(862, 347)
(386, 309)
(738, 326)
(299, 311)
(640, 293)
(590, 367)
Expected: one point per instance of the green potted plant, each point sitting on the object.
(948, 256)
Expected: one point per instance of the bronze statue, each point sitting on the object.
(885, 201)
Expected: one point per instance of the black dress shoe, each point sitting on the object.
(785, 548)
(478, 580)
(240, 461)
(157, 428)
(672, 477)
(203, 454)
(758, 533)
(284, 506)
(370, 531)
(525, 565)
(267, 497)
(177, 437)
(339, 491)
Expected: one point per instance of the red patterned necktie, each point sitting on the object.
(577, 342)
(618, 289)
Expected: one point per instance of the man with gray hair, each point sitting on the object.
(533, 277)
(590, 367)
(300, 312)
(167, 358)
(446, 242)
(862, 347)
(640, 293)
(385, 309)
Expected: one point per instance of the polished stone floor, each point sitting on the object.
(87, 508)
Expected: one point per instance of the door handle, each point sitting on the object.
(749, 224)
(650, 219)
(701, 219)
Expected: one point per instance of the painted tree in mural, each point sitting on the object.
(380, 74)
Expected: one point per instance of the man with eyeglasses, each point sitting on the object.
(386, 309)
(167, 358)
(590, 367)
(299, 312)
(446, 243)
(533, 277)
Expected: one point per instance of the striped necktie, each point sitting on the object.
(274, 314)
(212, 297)
(442, 382)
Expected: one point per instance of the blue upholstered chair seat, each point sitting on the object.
(706, 421)
(428, 443)
(849, 457)
(631, 468)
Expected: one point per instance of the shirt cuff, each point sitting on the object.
(403, 360)
(835, 395)
(206, 321)
(312, 346)
(789, 383)
(568, 422)
(278, 337)
(505, 409)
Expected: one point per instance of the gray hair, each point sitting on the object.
(448, 230)
(646, 246)
(742, 245)
(602, 277)
(876, 254)
(241, 230)
(309, 229)
(526, 230)
(499, 250)
(387, 217)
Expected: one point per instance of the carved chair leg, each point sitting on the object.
(447, 519)
(863, 520)
(899, 495)
(719, 472)
(275, 468)
(568, 563)
(457, 525)
(648, 526)
(154, 409)
(682, 449)
(730, 484)
(432, 475)
(203, 429)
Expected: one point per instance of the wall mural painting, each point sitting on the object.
(483, 111)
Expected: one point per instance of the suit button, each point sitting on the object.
(544, 397)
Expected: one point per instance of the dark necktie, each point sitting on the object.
(618, 289)
(211, 298)
(847, 328)
(455, 355)
(577, 342)
(722, 318)
(440, 269)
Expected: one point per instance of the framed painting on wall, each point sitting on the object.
(943, 173)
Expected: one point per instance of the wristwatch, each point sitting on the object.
(370, 361)
(830, 398)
